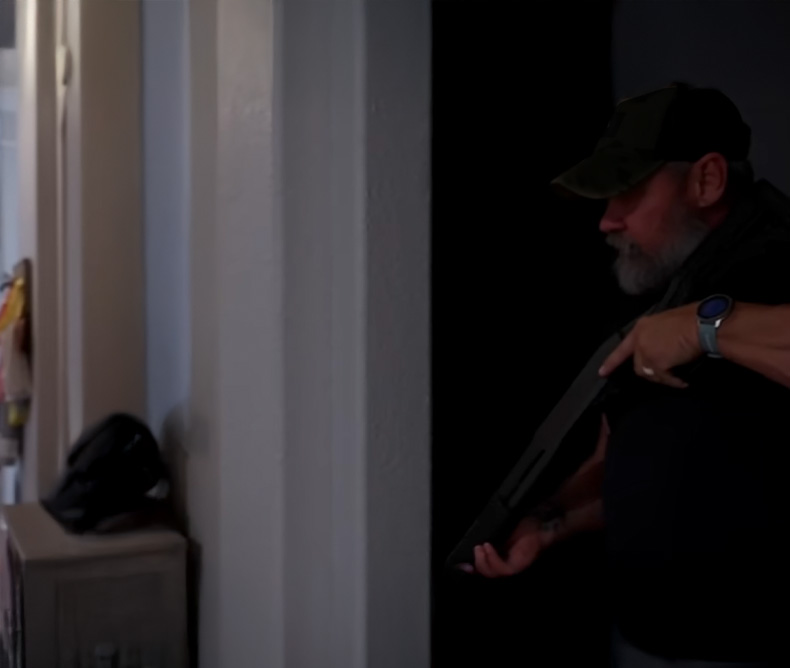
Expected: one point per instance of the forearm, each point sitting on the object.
(576, 507)
(758, 337)
(582, 488)
(582, 519)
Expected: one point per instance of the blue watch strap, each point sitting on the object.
(711, 312)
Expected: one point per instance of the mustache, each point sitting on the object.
(623, 245)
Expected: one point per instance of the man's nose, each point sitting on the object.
(610, 225)
(611, 221)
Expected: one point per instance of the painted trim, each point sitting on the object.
(38, 236)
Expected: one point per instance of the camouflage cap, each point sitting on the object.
(677, 123)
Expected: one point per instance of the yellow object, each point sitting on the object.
(14, 305)
(17, 414)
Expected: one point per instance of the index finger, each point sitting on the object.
(618, 355)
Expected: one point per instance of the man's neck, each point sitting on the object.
(715, 215)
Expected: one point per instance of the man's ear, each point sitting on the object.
(707, 180)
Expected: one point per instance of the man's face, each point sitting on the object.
(653, 230)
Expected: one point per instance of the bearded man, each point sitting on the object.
(688, 472)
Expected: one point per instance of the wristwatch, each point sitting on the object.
(711, 312)
(550, 515)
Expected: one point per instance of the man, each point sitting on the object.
(688, 482)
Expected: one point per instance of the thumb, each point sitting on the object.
(521, 555)
(618, 355)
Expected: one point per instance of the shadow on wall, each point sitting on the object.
(173, 441)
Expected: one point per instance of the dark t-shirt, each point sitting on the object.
(695, 491)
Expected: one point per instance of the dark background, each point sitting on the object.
(521, 91)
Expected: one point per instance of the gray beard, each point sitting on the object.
(638, 273)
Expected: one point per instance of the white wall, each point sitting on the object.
(27, 165)
(354, 132)
(100, 284)
(9, 167)
(88, 301)
(739, 47)
(166, 210)
(38, 236)
(321, 93)
(303, 463)
(9, 182)
(397, 224)
(248, 274)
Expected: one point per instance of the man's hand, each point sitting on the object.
(525, 544)
(577, 501)
(659, 343)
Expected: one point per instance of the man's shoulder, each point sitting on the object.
(769, 195)
(757, 265)
(774, 206)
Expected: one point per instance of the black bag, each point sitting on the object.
(114, 469)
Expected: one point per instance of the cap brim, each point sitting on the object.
(606, 173)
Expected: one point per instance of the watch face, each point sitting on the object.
(714, 307)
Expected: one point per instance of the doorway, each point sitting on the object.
(520, 92)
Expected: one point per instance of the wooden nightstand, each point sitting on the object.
(66, 597)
